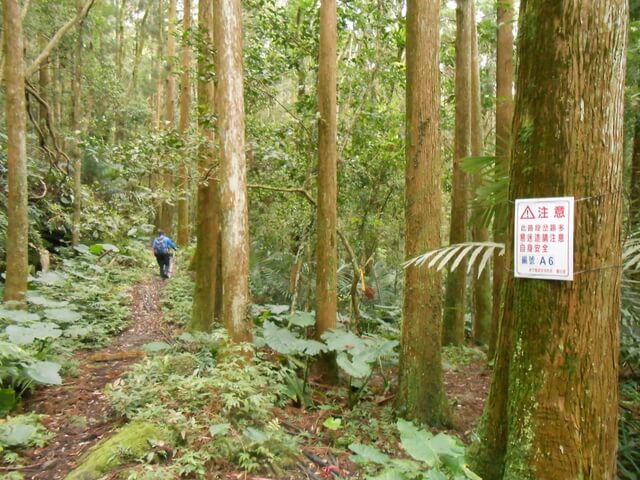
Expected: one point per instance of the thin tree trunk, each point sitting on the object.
(327, 248)
(75, 125)
(453, 326)
(59, 93)
(157, 178)
(185, 104)
(482, 283)
(233, 175)
(15, 111)
(421, 393)
(166, 219)
(120, 38)
(43, 84)
(140, 37)
(553, 404)
(504, 116)
(206, 298)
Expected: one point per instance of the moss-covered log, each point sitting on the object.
(132, 441)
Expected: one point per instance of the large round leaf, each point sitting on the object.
(19, 316)
(417, 442)
(62, 315)
(14, 435)
(355, 368)
(302, 319)
(37, 299)
(48, 278)
(26, 335)
(44, 372)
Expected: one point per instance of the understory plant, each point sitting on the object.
(21, 431)
(218, 397)
(432, 457)
(78, 305)
(359, 357)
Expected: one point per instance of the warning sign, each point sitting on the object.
(543, 238)
(527, 214)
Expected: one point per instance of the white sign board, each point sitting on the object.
(543, 238)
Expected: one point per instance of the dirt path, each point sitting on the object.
(78, 411)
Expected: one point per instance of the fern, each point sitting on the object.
(631, 254)
(456, 253)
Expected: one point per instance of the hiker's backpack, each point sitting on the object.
(160, 246)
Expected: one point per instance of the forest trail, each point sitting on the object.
(78, 412)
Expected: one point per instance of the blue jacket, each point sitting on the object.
(167, 241)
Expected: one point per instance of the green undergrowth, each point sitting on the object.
(79, 304)
(217, 397)
(629, 432)
(250, 407)
(454, 356)
(177, 294)
(21, 431)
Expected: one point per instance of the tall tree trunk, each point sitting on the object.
(157, 178)
(43, 83)
(15, 111)
(120, 38)
(454, 307)
(75, 126)
(166, 218)
(504, 116)
(140, 38)
(482, 283)
(185, 104)
(59, 92)
(327, 248)
(552, 409)
(421, 394)
(233, 174)
(206, 298)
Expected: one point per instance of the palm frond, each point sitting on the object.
(456, 253)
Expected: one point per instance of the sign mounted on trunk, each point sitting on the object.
(543, 238)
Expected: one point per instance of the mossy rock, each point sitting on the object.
(131, 441)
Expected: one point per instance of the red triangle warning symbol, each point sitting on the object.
(527, 214)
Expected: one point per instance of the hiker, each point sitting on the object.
(161, 245)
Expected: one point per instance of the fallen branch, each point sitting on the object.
(117, 356)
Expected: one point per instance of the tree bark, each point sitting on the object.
(480, 233)
(421, 393)
(453, 326)
(120, 38)
(75, 126)
(552, 409)
(327, 248)
(504, 116)
(158, 178)
(185, 104)
(206, 297)
(43, 83)
(233, 174)
(166, 217)
(15, 111)
(140, 38)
